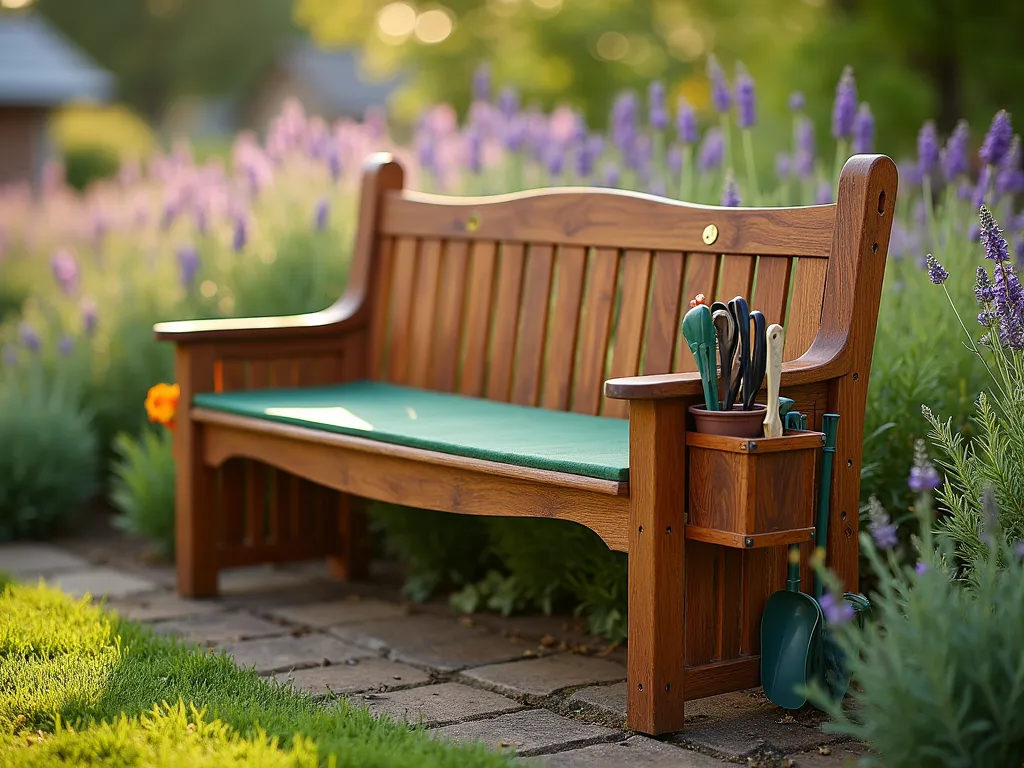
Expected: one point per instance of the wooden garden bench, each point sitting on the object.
(463, 318)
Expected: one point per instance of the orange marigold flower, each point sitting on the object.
(700, 298)
(162, 404)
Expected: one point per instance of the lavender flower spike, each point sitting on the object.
(482, 83)
(188, 265)
(845, 107)
(997, 140)
(863, 130)
(796, 101)
(686, 123)
(658, 115)
(320, 215)
(953, 157)
(836, 610)
(746, 98)
(803, 162)
(1009, 177)
(29, 337)
(712, 150)
(720, 95)
(731, 194)
(923, 479)
(938, 275)
(240, 235)
(882, 529)
(927, 149)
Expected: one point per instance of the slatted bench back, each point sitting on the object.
(537, 298)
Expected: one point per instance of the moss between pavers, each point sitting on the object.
(81, 687)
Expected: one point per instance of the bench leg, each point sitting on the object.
(196, 514)
(352, 562)
(657, 487)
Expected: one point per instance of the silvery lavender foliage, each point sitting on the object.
(953, 156)
(686, 123)
(927, 149)
(658, 115)
(844, 109)
(720, 95)
(746, 98)
(863, 130)
(1003, 304)
(731, 193)
(712, 150)
(997, 140)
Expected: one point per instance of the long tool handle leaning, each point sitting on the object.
(774, 338)
(829, 425)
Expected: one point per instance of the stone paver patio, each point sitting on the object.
(536, 685)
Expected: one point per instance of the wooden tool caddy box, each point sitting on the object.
(752, 492)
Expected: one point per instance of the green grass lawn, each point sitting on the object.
(81, 687)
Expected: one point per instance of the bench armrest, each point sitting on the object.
(804, 370)
(339, 317)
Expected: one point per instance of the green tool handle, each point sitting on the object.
(793, 574)
(829, 425)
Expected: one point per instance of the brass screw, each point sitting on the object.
(473, 223)
(710, 234)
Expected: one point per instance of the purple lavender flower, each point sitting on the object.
(824, 194)
(796, 101)
(623, 122)
(10, 356)
(674, 161)
(927, 149)
(1018, 250)
(953, 157)
(1009, 177)
(508, 101)
(984, 291)
(657, 187)
(65, 345)
(836, 610)
(474, 151)
(320, 215)
(783, 166)
(712, 150)
(658, 115)
(1018, 548)
(188, 265)
(482, 82)
(882, 529)
(29, 337)
(997, 140)
(981, 189)
(1008, 305)
(938, 275)
(924, 478)
(240, 235)
(554, 159)
(686, 123)
(587, 152)
(731, 193)
(973, 233)
(921, 568)
(334, 163)
(720, 95)
(611, 174)
(746, 98)
(803, 163)
(65, 271)
(89, 316)
(844, 110)
(863, 130)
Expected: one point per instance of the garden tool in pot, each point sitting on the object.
(725, 334)
(773, 419)
(699, 332)
(792, 621)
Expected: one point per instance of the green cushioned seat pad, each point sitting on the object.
(591, 446)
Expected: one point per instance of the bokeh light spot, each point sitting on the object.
(434, 26)
(612, 46)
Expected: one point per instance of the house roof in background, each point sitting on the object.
(40, 67)
(335, 77)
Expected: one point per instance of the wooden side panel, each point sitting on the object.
(564, 327)
(701, 277)
(230, 377)
(736, 278)
(596, 319)
(381, 293)
(450, 325)
(772, 288)
(506, 321)
(533, 325)
(664, 315)
(805, 309)
(425, 299)
(403, 279)
(629, 331)
(701, 608)
(479, 306)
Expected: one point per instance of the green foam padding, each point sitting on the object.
(591, 446)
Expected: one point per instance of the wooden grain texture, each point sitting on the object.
(450, 324)
(657, 631)
(736, 277)
(764, 572)
(609, 219)
(506, 321)
(724, 538)
(721, 677)
(805, 312)
(230, 376)
(479, 306)
(401, 478)
(400, 308)
(772, 288)
(664, 315)
(701, 603)
(423, 338)
(563, 328)
(351, 559)
(599, 302)
(381, 293)
(629, 331)
(730, 600)
(255, 503)
(701, 277)
(533, 325)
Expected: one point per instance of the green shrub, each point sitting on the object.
(48, 464)
(85, 164)
(142, 488)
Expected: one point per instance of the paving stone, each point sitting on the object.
(741, 724)
(259, 578)
(837, 756)
(279, 654)
(638, 751)
(437, 705)
(357, 675)
(547, 674)
(101, 582)
(608, 699)
(431, 641)
(162, 606)
(27, 562)
(219, 628)
(335, 612)
(530, 732)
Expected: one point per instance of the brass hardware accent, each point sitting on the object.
(710, 234)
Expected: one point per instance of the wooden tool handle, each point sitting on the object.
(774, 338)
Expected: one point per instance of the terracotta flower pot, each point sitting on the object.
(734, 423)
